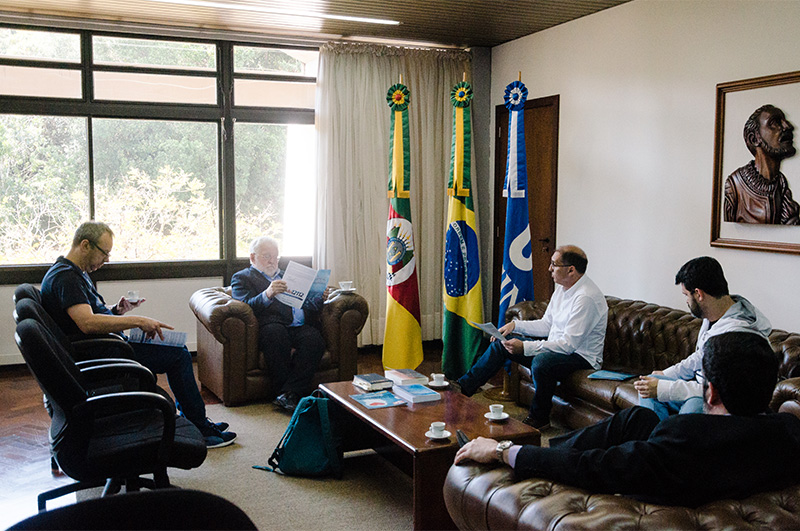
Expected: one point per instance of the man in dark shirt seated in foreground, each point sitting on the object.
(734, 450)
(72, 300)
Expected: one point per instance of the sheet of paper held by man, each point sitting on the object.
(302, 282)
(490, 329)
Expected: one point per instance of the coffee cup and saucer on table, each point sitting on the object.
(438, 381)
(437, 431)
(345, 286)
(496, 413)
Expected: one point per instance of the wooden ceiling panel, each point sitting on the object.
(446, 22)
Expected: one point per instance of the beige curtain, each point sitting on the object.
(353, 150)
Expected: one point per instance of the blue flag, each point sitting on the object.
(516, 283)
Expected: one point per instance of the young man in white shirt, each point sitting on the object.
(574, 324)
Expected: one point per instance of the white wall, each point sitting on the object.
(167, 301)
(637, 85)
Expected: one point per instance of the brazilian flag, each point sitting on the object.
(463, 301)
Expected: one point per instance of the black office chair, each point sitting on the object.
(158, 509)
(31, 292)
(83, 348)
(27, 291)
(28, 306)
(106, 437)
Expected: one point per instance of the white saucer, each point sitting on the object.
(343, 290)
(438, 386)
(132, 301)
(446, 434)
(503, 416)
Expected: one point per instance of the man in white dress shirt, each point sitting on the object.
(574, 324)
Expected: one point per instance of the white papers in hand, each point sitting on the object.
(490, 329)
(298, 280)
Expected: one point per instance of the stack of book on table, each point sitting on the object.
(406, 377)
(415, 393)
(371, 382)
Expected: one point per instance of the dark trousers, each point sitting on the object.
(632, 424)
(547, 369)
(176, 363)
(291, 371)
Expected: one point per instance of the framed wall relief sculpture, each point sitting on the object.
(756, 165)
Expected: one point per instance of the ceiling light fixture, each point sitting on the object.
(277, 11)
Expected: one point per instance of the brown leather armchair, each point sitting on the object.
(230, 363)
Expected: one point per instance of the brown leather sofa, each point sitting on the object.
(640, 337)
(230, 363)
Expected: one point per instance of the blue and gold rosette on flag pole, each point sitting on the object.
(402, 341)
(463, 302)
(516, 283)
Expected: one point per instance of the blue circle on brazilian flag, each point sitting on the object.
(461, 260)
(395, 250)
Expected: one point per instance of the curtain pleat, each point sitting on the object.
(353, 151)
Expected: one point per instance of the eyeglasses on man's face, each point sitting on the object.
(107, 254)
(553, 264)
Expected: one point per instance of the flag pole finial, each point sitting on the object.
(520, 76)
(464, 77)
(401, 79)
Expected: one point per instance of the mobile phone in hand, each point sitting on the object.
(462, 438)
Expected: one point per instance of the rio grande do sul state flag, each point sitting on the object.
(516, 282)
(463, 301)
(402, 341)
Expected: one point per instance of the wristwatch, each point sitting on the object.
(502, 446)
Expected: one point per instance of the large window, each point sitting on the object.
(157, 180)
(44, 185)
(188, 149)
(274, 185)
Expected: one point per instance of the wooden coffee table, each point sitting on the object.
(398, 433)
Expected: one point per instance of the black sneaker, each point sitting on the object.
(221, 426)
(216, 438)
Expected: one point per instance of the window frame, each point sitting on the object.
(224, 113)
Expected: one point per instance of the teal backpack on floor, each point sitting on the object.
(308, 446)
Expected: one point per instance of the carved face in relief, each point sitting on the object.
(768, 128)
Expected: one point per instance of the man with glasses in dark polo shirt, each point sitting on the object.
(70, 297)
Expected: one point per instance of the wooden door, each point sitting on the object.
(541, 149)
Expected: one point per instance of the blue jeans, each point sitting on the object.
(176, 362)
(665, 409)
(547, 369)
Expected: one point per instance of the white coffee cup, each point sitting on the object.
(132, 296)
(438, 378)
(496, 410)
(437, 429)
(346, 285)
